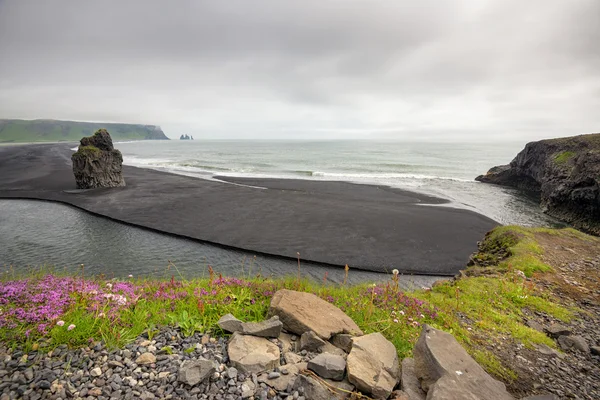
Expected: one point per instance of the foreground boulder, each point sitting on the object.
(373, 365)
(193, 372)
(97, 163)
(302, 312)
(564, 172)
(251, 354)
(447, 371)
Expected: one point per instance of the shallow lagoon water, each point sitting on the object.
(34, 234)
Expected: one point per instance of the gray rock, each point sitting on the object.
(193, 372)
(556, 330)
(248, 389)
(533, 324)
(301, 312)
(447, 371)
(595, 350)
(342, 341)
(541, 397)
(292, 358)
(329, 366)
(229, 323)
(373, 365)
(548, 351)
(310, 341)
(409, 381)
(232, 373)
(314, 390)
(573, 342)
(251, 354)
(270, 328)
(97, 163)
(281, 383)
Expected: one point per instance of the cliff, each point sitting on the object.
(564, 172)
(48, 130)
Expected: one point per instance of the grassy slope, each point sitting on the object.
(16, 131)
(478, 310)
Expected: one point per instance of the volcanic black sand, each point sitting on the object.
(368, 227)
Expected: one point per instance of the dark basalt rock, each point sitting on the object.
(97, 163)
(564, 172)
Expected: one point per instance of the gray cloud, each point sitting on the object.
(478, 69)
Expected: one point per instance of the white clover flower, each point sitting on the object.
(71, 327)
(395, 271)
(60, 323)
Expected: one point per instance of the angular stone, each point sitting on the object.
(438, 355)
(533, 324)
(315, 390)
(301, 312)
(373, 365)
(248, 388)
(96, 372)
(270, 328)
(409, 381)
(542, 397)
(251, 354)
(97, 163)
(145, 358)
(309, 341)
(193, 372)
(342, 341)
(292, 358)
(595, 350)
(548, 351)
(556, 330)
(281, 383)
(328, 366)
(229, 323)
(287, 344)
(331, 349)
(573, 342)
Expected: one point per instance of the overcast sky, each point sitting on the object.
(477, 69)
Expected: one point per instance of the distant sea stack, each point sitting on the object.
(564, 172)
(186, 137)
(97, 163)
(50, 130)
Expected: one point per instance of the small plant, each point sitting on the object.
(187, 323)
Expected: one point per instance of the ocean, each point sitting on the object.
(445, 170)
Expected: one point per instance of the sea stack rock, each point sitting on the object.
(564, 173)
(97, 163)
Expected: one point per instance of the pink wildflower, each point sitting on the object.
(60, 323)
(71, 327)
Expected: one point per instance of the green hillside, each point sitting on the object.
(48, 130)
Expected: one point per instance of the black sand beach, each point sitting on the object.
(368, 227)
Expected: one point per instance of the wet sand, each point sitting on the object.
(368, 227)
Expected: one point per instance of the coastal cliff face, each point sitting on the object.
(564, 172)
(97, 163)
(48, 130)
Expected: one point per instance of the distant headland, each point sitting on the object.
(50, 130)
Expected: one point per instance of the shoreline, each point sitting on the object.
(331, 223)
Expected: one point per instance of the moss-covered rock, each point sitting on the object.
(97, 163)
(564, 172)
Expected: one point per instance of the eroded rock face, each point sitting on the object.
(97, 163)
(373, 365)
(564, 172)
(447, 371)
(302, 312)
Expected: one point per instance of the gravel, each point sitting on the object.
(96, 372)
